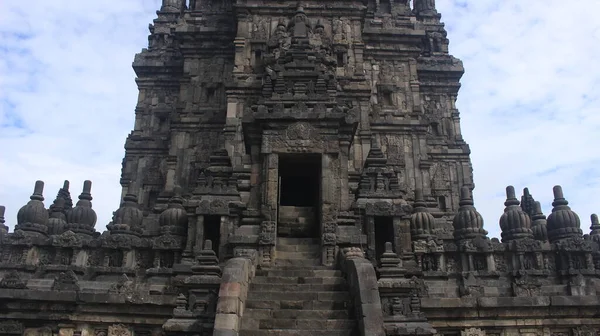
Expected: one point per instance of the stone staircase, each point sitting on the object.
(296, 221)
(297, 297)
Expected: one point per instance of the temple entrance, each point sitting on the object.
(299, 195)
(384, 232)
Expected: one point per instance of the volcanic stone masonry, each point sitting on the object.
(297, 169)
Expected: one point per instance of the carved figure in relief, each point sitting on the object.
(260, 29)
(341, 30)
(280, 38)
(300, 26)
(319, 38)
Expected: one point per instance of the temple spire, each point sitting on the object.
(562, 222)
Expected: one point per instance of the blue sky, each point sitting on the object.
(529, 103)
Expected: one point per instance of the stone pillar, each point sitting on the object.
(255, 177)
(129, 260)
(441, 262)
(330, 185)
(199, 234)
(171, 170)
(403, 239)
(190, 239)
(80, 258)
(370, 226)
(491, 262)
(359, 49)
(224, 229)
(415, 87)
(241, 60)
(271, 186)
(268, 231)
(345, 201)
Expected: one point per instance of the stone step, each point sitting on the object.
(315, 271)
(295, 230)
(297, 255)
(296, 210)
(278, 287)
(298, 241)
(262, 314)
(297, 324)
(299, 280)
(297, 262)
(294, 218)
(298, 296)
(298, 304)
(288, 332)
(298, 248)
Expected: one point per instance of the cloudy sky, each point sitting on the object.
(530, 98)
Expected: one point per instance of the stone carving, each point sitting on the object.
(259, 28)
(353, 252)
(12, 280)
(66, 281)
(11, 327)
(67, 239)
(301, 131)
(526, 286)
(472, 332)
(215, 207)
(585, 331)
(470, 286)
(119, 330)
(267, 233)
(123, 286)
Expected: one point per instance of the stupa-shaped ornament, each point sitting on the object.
(59, 210)
(207, 263)
(57, 223)
(514, 222)
(538, 225)
(3, 228)
(562, 222)
(63, 193)
(528, 202)
(390, 264)
(82, 218)
(128, 218)
(377, 179)
(595, 228)
(181, 306)
(468, 223)
(32, 218)
(422, 222)
(174, 220)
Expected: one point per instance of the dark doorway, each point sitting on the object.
(300, 178)
(299, 195)
(384, 232)
(212, 231)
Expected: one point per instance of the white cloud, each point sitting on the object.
(530, 99)
(529, 102)
(67, 96)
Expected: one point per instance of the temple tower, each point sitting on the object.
(298, 96)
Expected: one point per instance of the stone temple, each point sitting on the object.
(297, 169)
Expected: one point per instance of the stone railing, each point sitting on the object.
(233, 292)
(362, 281)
